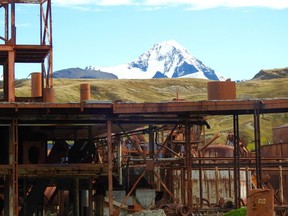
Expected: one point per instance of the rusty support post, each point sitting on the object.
(15, 165)
(76, 201)
(217, 183)
(151, 149)
(236, 162)
(151, 142)
(200, 185)
(25, 197)
(183, 186)
(10, 94)
(6, 23)
(110, 165)
(119, 159)
(247, 180)
(188, 163)
(230, 189)
(257, 148)
(11, 183)
(281, 190)
(13, 24)
(50, 71)
(90, 196)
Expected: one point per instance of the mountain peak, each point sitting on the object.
(170, 43)
(167, 57)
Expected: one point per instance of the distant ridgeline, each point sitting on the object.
(272, 74)
(79, 73)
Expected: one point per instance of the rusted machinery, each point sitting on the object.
(104, 158)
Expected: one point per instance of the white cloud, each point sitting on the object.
(192, 4)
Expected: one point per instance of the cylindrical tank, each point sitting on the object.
(280, 134)
(36, 84)
(277, 178)
(49, 95)
(219, 90)
(219, 150)
(84, 92)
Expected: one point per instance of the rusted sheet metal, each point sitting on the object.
(280, 134)
(260, 202)
(279, 150)
(60, 170)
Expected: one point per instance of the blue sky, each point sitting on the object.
(235, 38)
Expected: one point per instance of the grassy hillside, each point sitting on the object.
(155, 90)
(161, 90)
(272, 74)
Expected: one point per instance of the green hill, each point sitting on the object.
(163, 90)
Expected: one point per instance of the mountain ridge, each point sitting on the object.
(168, 58)
(271, 74)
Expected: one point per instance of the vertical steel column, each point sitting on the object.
(236, 162)
(151, 149)
(76, 201)
(183, 186)
(13, 24)
(119, 159)
(110, 166)
(201, 184)
(11, 183)
(10, 94)
(257, 148)
(281, 188)
(90, 196)
(188, 163)
(6, 22)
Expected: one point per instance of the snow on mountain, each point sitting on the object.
(168, 58)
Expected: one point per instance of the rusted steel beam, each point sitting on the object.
(60, 170)
(218, 107)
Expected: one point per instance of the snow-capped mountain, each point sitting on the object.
(166, 59)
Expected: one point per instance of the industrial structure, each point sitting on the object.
(114, 158)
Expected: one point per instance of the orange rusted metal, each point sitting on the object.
(49, 95)
(280, 134)
(84, 92)
(218, 90)
(36, 84)
(260, 202)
